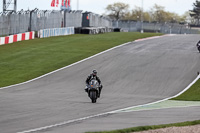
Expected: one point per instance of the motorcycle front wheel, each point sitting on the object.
(93, 96)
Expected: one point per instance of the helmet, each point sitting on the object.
(94, 72)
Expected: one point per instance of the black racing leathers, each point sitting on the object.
(92, 77)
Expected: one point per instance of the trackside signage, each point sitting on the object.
(56, 32)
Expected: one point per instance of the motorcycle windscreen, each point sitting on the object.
(94, 84)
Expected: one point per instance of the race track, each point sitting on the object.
(137, 73)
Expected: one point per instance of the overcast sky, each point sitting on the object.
(98, 6)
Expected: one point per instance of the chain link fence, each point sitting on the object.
(167, 28)
(45, 19)
(35, 20)
(13, 23)
(73, 19)
(95, 20)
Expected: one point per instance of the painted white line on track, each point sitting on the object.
(159, 108)
(107, 113)
(64, 123)
(79, 62)
(169, 104)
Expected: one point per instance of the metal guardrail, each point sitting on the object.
(167, 28)
(56, 32)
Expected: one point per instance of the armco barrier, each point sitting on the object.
(56, 32)
(92, 30)
(17, 37)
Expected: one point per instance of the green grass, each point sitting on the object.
(193, 94)
(145, 128)
(22, 61)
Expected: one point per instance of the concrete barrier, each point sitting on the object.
(92, 30)
(56, 32)
(17, 37)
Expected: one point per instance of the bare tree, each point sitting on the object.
(117, 10)
(135, 14)
(156, 14)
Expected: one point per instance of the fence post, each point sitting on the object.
(65, 11)
(30, 22)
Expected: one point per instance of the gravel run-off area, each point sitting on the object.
(186, 129)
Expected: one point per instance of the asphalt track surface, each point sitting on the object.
(137, 73)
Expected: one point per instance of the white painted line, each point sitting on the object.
(186, 106)
(63, 123)
(74, 63)
(194, 81)
(103, 114)
(167, 105)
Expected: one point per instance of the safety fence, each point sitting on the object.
(45, 19)
(35, 20)
(167, 28)
(95, 20)
(73, 19)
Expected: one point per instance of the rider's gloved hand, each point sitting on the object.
(101, 85)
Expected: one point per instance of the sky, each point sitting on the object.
(98, 6)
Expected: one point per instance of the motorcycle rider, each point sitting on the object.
(93, 76)
(198, 46)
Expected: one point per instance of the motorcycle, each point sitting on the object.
(93, 90)
(198, 47)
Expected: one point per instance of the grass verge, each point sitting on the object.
(22, 61)
(145, 128)
(192, 94)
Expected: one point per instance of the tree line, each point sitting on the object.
(195, 13)
(157, 13)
